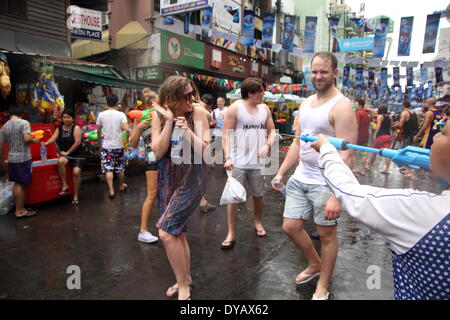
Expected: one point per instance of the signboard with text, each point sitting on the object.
(181, 50)
(148, 73)
(170, 7)
(85, 23)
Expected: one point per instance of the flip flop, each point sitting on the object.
(308, 276)
(111, 195)
(174, 290)
(261, 233)
(124, 188)
(75, 203)
(63, 192)
(227, 245)
(28, 213)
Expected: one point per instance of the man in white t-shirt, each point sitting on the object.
(330, 113)
(218, 116)
(249, 133)
(112, 153)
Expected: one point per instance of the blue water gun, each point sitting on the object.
(412, 157)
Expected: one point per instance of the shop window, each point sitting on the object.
(14, 7)
(156, 6)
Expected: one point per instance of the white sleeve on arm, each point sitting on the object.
(403, 216)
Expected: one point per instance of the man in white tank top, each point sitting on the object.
(330, 113)
(248, 134)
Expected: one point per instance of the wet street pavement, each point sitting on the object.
(100, 237)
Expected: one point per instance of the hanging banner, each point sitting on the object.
(380, 38)
(409, 77)
(248, 29)
(359, 77)
(310, 34)
(384, 77)
(334, 22)
(396, 76)
(404, 39)
(206, 16)
(431, 31)
(371, 77)
(187, 20)
(423, 74)
(438, 74)
(267, 34)
(287, 41)
(346, 75)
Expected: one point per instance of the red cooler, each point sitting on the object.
(46, 184)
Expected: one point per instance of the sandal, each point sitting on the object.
(111, 195)
(63, 192)
(227, 244)
(124, 188)
(261, 232)
(75, 202)
(28, 213)
(173, 290)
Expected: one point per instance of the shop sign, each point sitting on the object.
(236, 64)
(148, 73)
(216, 59)
(84, 23)
(170, 7)
(181, 50)
(255, 69)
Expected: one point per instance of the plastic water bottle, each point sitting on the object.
(43, 152)
(177, 144)
(282, 187)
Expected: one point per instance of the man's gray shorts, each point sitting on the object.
(252, 178)
(302, 200)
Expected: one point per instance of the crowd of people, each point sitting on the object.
(322, 185)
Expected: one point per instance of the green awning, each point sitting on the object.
(92, 72)
(101, 79)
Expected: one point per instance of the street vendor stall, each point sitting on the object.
(45, 87)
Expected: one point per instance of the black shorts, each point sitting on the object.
(20, 172)
(75, 163)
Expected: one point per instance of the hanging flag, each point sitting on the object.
(267, 34)
(206, 17)
(371, 77)
(404, 39)
(438, 74)
(380, 38)
(359, 77)
(248, 29)
(431, 31)
(423, 74)
(396, 76)
(187, 20)
(409, 77)
(310, 34)
(346, 75)
(334, 22)
(287, 40)
(383, 76)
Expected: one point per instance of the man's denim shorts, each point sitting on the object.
(302, 200)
